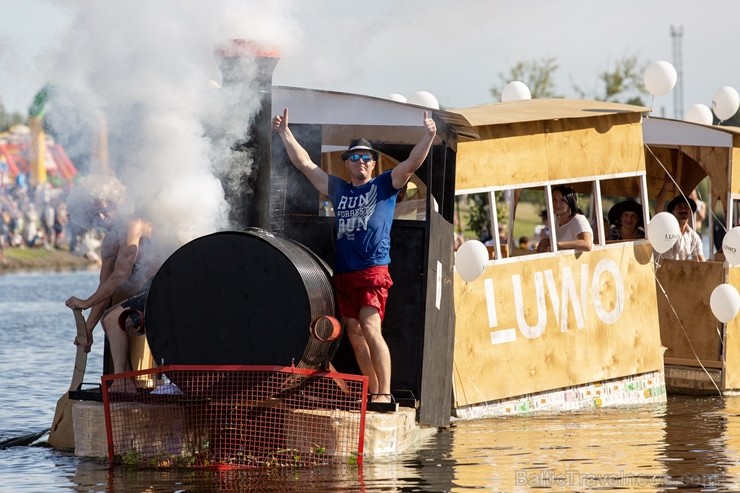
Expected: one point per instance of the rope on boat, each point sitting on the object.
(691, 346)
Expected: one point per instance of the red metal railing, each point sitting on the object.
(234, 416)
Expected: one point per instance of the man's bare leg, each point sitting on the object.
(379, 354)
(118, 341)
(362, 352)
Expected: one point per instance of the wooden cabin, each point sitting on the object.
(558, 330)
(703, 354)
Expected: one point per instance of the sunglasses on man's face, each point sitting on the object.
(366, 158)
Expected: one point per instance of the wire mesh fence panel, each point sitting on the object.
(234, 416)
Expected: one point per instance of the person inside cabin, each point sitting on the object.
(542, 230)
(127, 269)
(701, 211)
(524, 243)
(457, 237)
(688, 246)
(363, 209)
(573, 229)
(502, 239)
(625, 220)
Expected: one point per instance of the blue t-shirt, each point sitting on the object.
(363, 217)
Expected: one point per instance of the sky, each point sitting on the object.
(456, 51)
(143, 68)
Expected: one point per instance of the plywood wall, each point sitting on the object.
(533, 152)
(731, 379)
(735, 157)
(687, 326)
(546, 322)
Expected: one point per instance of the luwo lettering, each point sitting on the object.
(564, 296)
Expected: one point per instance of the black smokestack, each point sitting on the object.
(244, 63)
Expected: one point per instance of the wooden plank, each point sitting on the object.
(693, 363)
(545, 322)
(532, 152)
(546, 109)
(692, 380)
(735, 157)
(732, 340)
(715, 161)
(342, 135)
(439, 327)
(687, 326)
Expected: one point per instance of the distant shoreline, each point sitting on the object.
(18, 259)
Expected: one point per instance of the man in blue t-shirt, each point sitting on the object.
(363, 210)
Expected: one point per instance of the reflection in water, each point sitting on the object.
(695, 441)
(92, 476)
(688, 444)
(586, 450)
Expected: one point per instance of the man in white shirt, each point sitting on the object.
(688, 245)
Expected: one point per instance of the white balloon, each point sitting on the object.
(423, 98)
(515, 91)
(699, 113)
(471, 260)
(725, 103)
(663, 231)
(731, 246)
(725, 302)
(397, 97)
(660, 77)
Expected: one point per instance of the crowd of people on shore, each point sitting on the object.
(37, 217)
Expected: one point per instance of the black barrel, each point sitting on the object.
(237, 298)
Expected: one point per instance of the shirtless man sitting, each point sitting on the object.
(125, 273)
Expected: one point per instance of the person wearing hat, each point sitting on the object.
(688, 245)
(363, 209)
(626, 221)
(573, 229)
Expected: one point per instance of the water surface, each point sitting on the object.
(688, 444)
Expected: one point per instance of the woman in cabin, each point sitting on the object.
(625, 220)
(572, 228)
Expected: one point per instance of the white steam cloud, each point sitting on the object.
(144, 68)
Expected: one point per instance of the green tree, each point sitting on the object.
(733, 121)
(538, 75)
(621, 84)
(479, 213)
(7, 120)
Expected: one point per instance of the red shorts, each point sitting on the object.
(362, 287)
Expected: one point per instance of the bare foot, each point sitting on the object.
(381, 398)
(123, 386)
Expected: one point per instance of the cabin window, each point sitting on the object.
(615, 193)
(523, 216)
(475, 219)
(530, 220)
(411, 204)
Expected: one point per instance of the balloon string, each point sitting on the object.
(668, 174)
(691, 346)
(711, 211)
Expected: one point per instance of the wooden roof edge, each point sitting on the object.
(532, 110)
